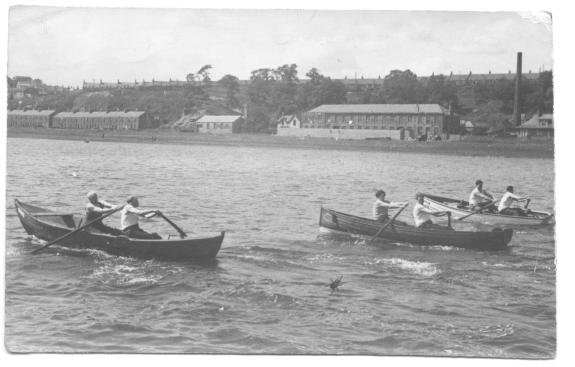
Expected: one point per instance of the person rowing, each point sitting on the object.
(422, 214)
(96, 208)
(130, 218)
(480, 199)
(507, 200)
(381, 207)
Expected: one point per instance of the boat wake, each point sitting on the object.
(122, 272)
(415, 267)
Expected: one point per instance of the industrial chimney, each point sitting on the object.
(516, 104)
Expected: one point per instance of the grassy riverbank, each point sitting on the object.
(474, 146)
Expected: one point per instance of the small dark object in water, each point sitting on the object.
(336, 283)
(86, 141)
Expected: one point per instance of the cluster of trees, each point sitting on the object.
(202, 75)
(404, 87)
(275, 92)
(535, 96)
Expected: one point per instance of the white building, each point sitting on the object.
(225, 124)
(289, 121)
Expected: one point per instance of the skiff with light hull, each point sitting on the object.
(458, 209)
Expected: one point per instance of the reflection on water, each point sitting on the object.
(269, 290)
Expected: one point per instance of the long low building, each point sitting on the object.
(102, 120)
(29, 118)
(113, 120)
(413, 119)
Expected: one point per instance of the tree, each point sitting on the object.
(204, 73)
(284, 99)
(328, 92)
(286, 73)
(402, 87)
(262, 74)
(441, 91)
(545, 82)
(258, 119)
(232, 86)
(314, 76)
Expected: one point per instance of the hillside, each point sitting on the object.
(271, 93)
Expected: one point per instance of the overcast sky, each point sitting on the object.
(68, 45)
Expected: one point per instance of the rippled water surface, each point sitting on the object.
(268, 290)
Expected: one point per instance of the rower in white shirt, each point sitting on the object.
(381, 207)
(130, 218)
(507, 200)
(480, 199)
(422, 214)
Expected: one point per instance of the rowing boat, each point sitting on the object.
(460, 209)
(333, 221)
(48, 225)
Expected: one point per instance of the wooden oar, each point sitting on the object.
(387, 224)
(478, 212)
(180, 231)
(78, 229)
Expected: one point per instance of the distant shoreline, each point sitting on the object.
(473, 146)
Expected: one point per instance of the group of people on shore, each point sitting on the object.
(480, 200)
(129, 220)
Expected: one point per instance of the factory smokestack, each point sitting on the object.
(516, 104)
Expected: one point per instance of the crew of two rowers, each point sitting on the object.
(479, 200)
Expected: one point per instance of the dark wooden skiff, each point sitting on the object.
(345, 223)
(535, 218)
(48, 226)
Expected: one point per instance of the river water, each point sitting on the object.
(268, 291)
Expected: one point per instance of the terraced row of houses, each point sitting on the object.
(351, 84)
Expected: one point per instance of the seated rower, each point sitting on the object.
(422, 215)
(130, 218)
(95, 209)
(505, 203)
(381, 208)
(480, 199)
